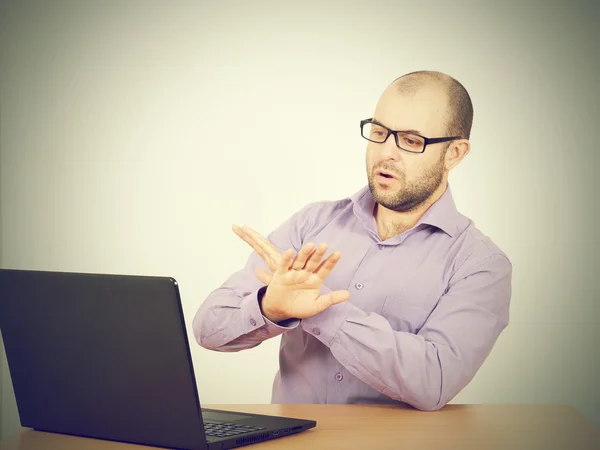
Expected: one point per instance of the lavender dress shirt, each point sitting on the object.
(425, 308)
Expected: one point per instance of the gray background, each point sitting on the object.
(133, 134)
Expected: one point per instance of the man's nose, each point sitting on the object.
(389, 149)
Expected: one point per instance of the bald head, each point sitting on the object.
(459, 117)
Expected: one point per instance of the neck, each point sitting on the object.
(392, 223)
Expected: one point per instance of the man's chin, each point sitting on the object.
(384, 196)
(387, 189)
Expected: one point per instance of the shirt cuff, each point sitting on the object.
(253, 319)
(325, 325)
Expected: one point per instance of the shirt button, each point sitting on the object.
(358, 286)
(316, 331)
(252, 321)
(381, 246)
(339, 376)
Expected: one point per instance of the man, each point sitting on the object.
(415, 304)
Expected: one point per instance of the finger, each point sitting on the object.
(286, 260)
(268, 256)
(315, 258)
(262, 241)
(302, 256)
(333, 298)
(263, 275)
(266, 245)
(248, 239)
(327, 266)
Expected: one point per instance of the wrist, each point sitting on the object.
(270, 313)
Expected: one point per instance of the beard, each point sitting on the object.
(407, 197)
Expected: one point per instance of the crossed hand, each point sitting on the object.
(294, 283)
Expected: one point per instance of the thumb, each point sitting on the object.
(263, 275)
(333, 298)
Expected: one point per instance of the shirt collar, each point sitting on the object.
(442, 214)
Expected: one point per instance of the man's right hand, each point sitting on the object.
(294, 288)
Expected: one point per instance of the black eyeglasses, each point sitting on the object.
(410, 142)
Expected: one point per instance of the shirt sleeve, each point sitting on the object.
(426, 369)
(230, 318)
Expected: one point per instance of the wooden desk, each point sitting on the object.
(384, 427)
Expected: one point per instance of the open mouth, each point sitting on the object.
(385, 175)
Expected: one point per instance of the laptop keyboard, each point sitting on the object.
(226, 429)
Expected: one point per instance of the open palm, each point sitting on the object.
(294, 283)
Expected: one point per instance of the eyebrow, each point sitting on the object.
(402, 131)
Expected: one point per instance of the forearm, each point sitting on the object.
(427, 369)
(401, 365)
(220, 326)
(230, 319)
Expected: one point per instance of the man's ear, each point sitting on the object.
(455, 152)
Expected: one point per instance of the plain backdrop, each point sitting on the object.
(134, 134)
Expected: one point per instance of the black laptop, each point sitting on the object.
(107, 357)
